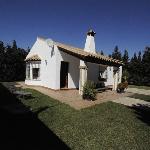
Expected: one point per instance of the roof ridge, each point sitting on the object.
(81, 51)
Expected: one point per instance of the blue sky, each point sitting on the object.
(125, 23)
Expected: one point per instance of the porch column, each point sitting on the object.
(120, 74)
(83, 76)
(31, 76)
(115, 79)
(27, 71)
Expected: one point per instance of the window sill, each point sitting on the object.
(33, 79)
(36, 79)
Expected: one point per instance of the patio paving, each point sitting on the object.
(72, 98)
(138, 91)
(128, 101)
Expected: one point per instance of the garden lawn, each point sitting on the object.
(140, 87)
(104, 126)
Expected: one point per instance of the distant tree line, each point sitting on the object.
(12, 64)
(137, 69)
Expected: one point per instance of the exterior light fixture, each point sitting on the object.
(46, 62)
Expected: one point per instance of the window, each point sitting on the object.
(28, 71)
(36, 73)
(103, 73)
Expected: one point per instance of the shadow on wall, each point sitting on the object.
(142, 112)
(73, 68)
(24, 130)
(92, 72)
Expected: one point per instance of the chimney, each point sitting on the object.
(90, 42)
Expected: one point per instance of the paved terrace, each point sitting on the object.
(72, 98)
(129, 101)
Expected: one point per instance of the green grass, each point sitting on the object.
(141, 96)
(140, 87)
(105, 126)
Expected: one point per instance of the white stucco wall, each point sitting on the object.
(110, 79)
(47, 71)
(50, 73)
(73, 72)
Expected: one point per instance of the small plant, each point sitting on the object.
(89, 91)
(122, 86)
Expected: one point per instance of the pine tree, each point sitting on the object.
(109, 56)
(139, 56)
(102, 53)
(2, 57)
(28, 49)
(140, 67)
(14, 45)
(2, 48)
(136, 69)
(146, 66)
(125, 57)
(116, 53)
(125, 60)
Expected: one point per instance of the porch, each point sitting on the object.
(93, 66)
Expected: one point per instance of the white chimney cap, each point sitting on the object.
(91, 32)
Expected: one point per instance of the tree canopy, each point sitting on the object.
(137, 69)
(116, 53)
(12, 65)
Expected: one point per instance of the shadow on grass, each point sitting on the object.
(142, 112)
(21, 129)
(141, 96)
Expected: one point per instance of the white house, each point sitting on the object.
(57, 66)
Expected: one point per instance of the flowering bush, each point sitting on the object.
(122, 86)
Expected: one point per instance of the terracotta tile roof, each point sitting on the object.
(33, 58)
(81, 54)
(89, 57)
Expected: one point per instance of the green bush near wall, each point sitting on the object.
(89, 91)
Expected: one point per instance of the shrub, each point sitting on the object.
(89, 91)
(122, 86)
